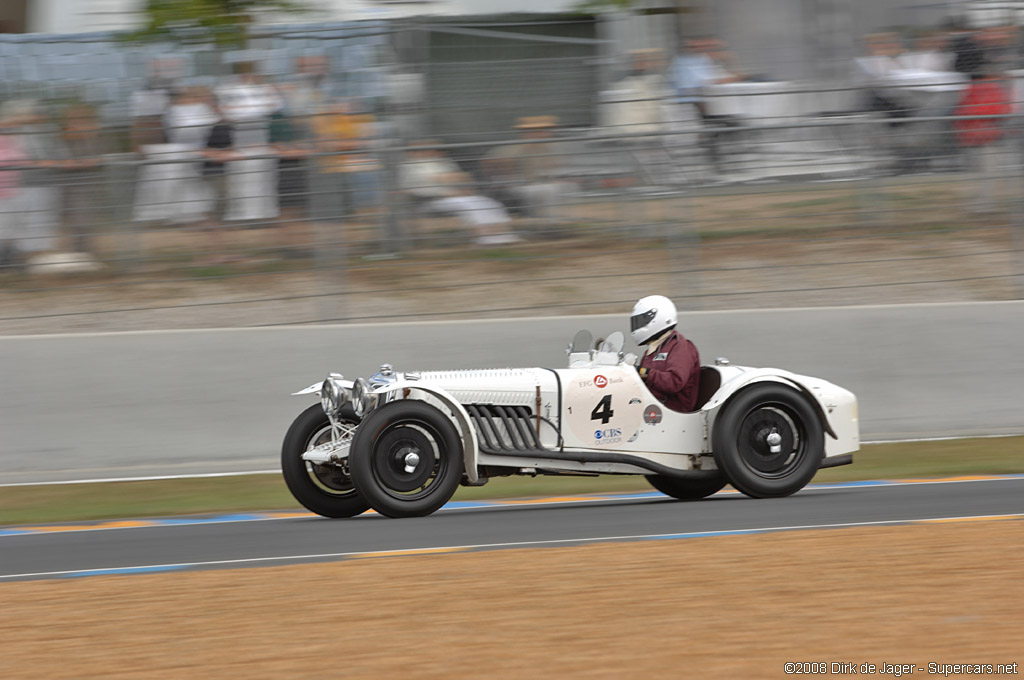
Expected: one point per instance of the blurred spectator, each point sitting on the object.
(703, 63)
(982, 138)
(248, 103)
(929, 55)
(170, 184)
(32, 224)
(529, 176)
(309, 89)
(289, 140)
(12, 158)
(149, 104)
(931, 92)
(880, 71)
(885, 93)
(217, 154)
(635, 106)
(636, 101)
(287, 134)
(349, 176)
(968, 53)
(82, 177)
(304, 94)
(189, 118)
(438, 184)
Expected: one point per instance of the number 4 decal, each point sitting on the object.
(603, 411)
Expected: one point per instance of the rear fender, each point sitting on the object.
(729, 389)
(470, 444)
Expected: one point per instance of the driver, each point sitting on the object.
(670, 365)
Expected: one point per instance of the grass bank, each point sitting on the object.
(74, 502)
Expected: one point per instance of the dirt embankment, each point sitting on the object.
(728, 607)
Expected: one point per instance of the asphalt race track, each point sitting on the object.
(282, 538)
(190, 402)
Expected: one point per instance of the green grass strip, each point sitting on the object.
(109, 500)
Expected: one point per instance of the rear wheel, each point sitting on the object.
(406, 459)
(688, 488)
(769, 441)
(324, 489)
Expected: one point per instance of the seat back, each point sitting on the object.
(708, 383)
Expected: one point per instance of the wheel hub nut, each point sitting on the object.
(774, 441)
(412, 460)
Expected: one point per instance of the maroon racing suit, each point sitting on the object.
(672, 373)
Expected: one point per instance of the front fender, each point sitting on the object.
(316, 387)
(470, 442)
(799, 382)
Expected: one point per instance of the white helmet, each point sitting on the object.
(652, 316)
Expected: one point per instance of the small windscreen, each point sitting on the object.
(613, 343)
(581, 341)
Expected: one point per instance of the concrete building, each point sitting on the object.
(79, 16)
(787, 25)
(776, 39)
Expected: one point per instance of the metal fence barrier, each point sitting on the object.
(253, 204)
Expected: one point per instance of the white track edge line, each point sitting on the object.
(512, 544)
(512, 319)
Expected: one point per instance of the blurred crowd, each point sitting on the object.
(48, 174)
(954, 72)
(294, 155)
(302, 157)
(903, 77)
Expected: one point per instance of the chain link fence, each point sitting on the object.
(459, 169)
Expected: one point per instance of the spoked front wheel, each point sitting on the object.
(325, 489)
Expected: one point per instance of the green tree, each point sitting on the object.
(224, 22)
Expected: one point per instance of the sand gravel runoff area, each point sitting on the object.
(713, 607)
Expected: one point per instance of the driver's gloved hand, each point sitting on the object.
(642, 370)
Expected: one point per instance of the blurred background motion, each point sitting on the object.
(187, 163)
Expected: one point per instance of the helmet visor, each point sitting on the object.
(638, 321)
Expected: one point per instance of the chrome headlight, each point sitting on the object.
(333, 395)
(362, 397)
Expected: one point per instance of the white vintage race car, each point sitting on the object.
(402, 443)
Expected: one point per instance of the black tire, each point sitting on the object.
(323, 489)
(741, 441)
(380, 454)
(689, 488)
